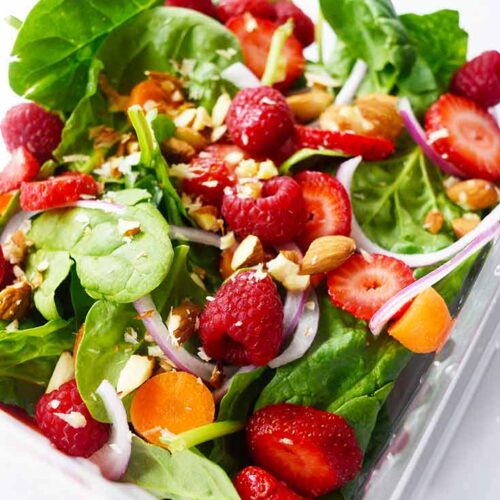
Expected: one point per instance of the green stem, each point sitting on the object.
(14, 22)
(199, 435)
(275, 66)
(144, 133)
(319, 37)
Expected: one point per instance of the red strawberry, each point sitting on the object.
(243, 325)
(226, 9)
(327, 205)
(230, 154)
(204, 6)
(57, 191)
(362, 285)
(303, 25)
(465, 135)
(259, 120)
(276, 217)
(370, 148)
(255, 36)
(479, 79)
(31, 126)
(312, 451)
(254, 483)
(22, 166)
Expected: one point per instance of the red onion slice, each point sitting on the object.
(392, 306)
(179, 356)
(417, 133)
(195, 236)
(345, 175)
(351, 85)
(114, 456)
(241, 76)
(14, 224)
(304, 335)
(292, 311)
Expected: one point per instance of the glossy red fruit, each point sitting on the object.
(479, 79)
(226, 9)
(314, 452)
(57, 191)
(254, 483)
(63, 417)
(204, 6)
(362, 285)
(31, 126)
(275, 218)
(303, 25)
(370, 148)
(243, 325)
(465, 135)
(6, 272)
(255, 36)
(22, 166)
(259, 120)
(327, 205)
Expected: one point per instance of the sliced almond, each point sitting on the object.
(308, 106)
(434, 221)
(250, 252)
(64, 371)
(136, 371)
(327, 253)
(183, 321)
(217, 377)
(473, 194)
(206, 218)
(287, 273)
(463, 225)
(227, 241)
(292, 255)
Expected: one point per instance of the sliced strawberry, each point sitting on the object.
(22, 166)
(230, 154)
(465, 135)
(362, 285)
(327, 205)
(255, 36)
(57, 191)
(226, 9)
(370, 148)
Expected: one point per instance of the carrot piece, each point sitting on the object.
(145, 91)
(424, 327)
(5, 200)
(172, 402)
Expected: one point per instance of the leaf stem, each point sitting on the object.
(14, 22)
(276, 64)
(144, 133)
(319, 37)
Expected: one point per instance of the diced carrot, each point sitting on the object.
(424, 327)
(5, 200)
(171, 402)
(145, 91)
(225, 268)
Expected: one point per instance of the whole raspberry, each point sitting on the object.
(31, 126)
(63, 417)
(243, 325)
(226, 9)
(303, 25)
(204, 6)
(276, 218)
(259, 120)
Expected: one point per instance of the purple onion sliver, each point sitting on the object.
(113, 458)
(15, 222)
(352, 84)
(292, 311)
(195, 236)
(392, 306)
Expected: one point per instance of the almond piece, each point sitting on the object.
(206, 218)
(307, 106)
(136, 371)
(226, 258)
(15, 300)
(182, 321)
(292, 255)
(463, 225)
(327, 253)
(287, 273)
(473, 194)
(434, 221)
(250, 252)
(64, 371)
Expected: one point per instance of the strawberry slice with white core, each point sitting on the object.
(465, 135)
(363, 284)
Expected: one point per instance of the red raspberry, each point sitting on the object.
(80, 438)
(312, 451)
(276, 218)
(254, 483)
(22, 166)
(56, 191)
(303, 25)
(259, 120)
(29, 125)
(204, 6)
(226, 9)
(6, 271)
(479, 79)
(243, 325)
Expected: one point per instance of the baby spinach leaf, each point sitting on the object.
(178, 476)
(56, 44)
(81, 301)
(104, 350)
(129, 197)
(391, 200)
(109, 265)
(305, 157)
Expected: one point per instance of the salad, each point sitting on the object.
(217, 256)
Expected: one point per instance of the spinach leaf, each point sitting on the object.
(129, 197)
(56, 44)
(392, 198)
(104, 351)
(81, 301)
(109, 265)
(305, 157)
(178, 476)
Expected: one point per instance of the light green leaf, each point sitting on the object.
(306, 157)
